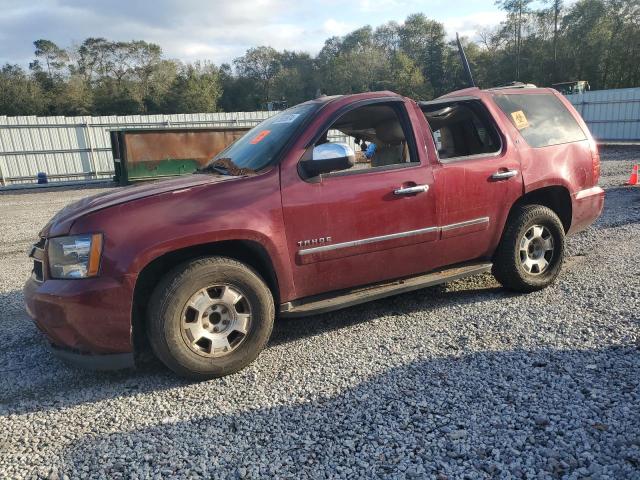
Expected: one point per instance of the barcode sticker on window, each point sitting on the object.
(287, 118)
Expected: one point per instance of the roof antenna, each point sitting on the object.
(465, 62)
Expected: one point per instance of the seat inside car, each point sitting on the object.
(392, 147)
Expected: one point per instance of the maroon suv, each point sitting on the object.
(328, 204)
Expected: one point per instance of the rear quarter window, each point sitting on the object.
(542, 119)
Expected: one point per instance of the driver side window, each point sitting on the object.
(375, 133)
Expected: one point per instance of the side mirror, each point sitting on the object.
(328, 157)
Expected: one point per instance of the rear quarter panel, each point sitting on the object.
(569, 165)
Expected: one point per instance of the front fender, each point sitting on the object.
(275, 250)
(138, 232)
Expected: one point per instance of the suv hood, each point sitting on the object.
(61, 223)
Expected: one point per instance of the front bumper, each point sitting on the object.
(587, 206)
(83, 317)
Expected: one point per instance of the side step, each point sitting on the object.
(347, 298)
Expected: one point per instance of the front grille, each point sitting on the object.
(38, 270)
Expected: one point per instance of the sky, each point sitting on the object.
(218, 30)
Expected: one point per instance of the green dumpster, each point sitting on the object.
(149, 154)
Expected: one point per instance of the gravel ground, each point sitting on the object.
(458, 381)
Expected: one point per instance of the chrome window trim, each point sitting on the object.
(366, 171)
(478, 156)
(391, 236)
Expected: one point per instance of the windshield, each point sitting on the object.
(260, 145)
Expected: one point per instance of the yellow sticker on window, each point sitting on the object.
(520, 119)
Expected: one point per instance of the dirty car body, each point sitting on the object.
(325, 241)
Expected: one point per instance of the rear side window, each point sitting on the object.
(461, 129)
(541, 119)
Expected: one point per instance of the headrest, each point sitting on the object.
(390, 132)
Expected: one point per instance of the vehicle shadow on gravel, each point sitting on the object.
(468, 291)
(33, 379)
(508, 414)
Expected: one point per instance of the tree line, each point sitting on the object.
(593, 40)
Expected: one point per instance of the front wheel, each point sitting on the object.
(210, 317)
(531, 251)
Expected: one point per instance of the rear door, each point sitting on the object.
(478, 176)
(362, 225)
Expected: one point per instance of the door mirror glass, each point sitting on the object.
(329, 157)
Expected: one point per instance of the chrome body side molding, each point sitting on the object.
(365, 241)
(447, 231)
(468, 223)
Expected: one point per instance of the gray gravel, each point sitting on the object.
(460, 381)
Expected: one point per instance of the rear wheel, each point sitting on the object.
(531, 251)
(210, 317)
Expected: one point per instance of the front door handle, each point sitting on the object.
(411, 190)
(504, 175)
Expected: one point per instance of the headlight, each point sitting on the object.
(77, 256)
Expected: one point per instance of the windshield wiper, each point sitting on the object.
(212, 168)
(225, 166)
(216, 166)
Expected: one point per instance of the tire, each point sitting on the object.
(210, 317)
(519, 261)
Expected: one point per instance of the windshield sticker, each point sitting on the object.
(287, 118)
(520, 120)
(259, 137)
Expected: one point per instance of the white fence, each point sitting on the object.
(612, 115)
(79, 148)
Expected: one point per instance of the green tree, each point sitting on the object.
(49, 57)
(387, 36)
(19, 95)
(556, 7)
(260, 64)
(586, 39)
(296, 80)
(407, 79)
(423, 40)
(517, 16)
(196, 89)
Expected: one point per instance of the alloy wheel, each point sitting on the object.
(536, 249)
(216, 320)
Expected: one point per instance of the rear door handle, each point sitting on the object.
(504, 175)
(411, 190)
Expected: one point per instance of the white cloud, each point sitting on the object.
(333, 27)
(469, 25)
(214, 30)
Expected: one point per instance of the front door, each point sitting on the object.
(373, 222)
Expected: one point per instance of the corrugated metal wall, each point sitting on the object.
(612, 115)
(78, 148)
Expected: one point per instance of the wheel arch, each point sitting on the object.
(249, 252)
(555, 197)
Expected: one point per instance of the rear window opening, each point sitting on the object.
(461, 129)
